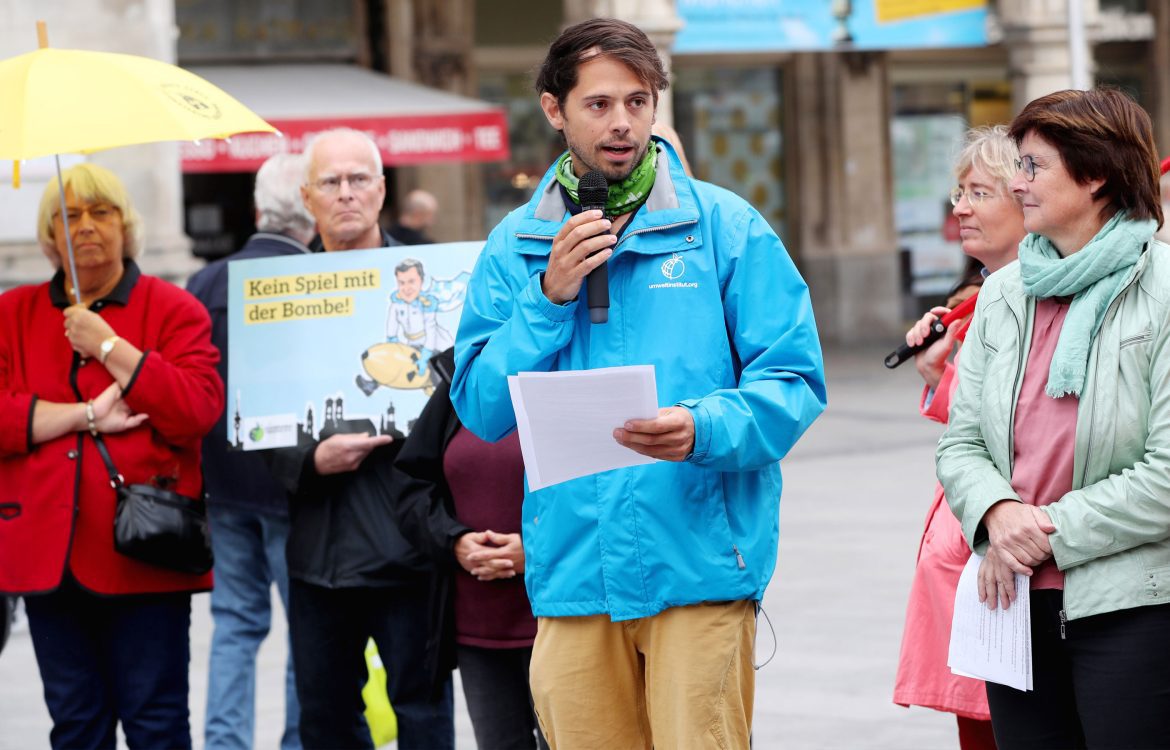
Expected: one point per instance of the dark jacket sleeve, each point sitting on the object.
(294, 470)
(422, 501)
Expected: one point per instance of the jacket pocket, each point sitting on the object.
(9, 511)
(1137, 338)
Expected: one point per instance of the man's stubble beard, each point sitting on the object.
(591, 167)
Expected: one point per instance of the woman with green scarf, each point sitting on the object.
(1056, 460)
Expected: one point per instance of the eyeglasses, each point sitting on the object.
(357, 182)
(99, 213)
(975, 196)
(1029, 166)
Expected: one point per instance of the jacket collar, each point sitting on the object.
(119, 295)
(273, 238)
(317, 246)
(671, 201)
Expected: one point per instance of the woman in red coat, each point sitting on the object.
(133, 362)
(991, 225)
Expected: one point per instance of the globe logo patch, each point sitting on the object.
(673, 268)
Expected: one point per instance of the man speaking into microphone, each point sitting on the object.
(645, 579)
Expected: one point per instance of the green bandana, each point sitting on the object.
(624, 196)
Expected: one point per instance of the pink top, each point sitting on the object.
(1045, 430)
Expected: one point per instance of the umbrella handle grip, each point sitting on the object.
(905, 352)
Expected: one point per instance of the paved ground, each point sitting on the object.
(856, 492)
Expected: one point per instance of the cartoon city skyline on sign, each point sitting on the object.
(334, 422)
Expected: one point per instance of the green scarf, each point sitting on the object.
(624, 196)
(1093, 276)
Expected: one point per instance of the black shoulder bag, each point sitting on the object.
(157, 526)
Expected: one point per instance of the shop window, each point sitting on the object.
(534, 144)
(232, 31)
(729, 121)
(926, 133)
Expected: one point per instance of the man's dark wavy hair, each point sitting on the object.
(620, 40)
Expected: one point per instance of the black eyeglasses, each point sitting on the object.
(1029, 165)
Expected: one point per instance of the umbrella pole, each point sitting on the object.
(68, 235)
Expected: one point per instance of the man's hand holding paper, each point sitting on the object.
(567, 420)
(668, 437)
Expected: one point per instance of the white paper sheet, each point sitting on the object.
(992, 645)
(566, 420)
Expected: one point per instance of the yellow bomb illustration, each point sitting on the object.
(396, 366)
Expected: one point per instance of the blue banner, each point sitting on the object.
(339, 342)
(722, 26)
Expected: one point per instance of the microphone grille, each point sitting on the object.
(592, 190)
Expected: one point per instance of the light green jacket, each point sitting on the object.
(1112, 537)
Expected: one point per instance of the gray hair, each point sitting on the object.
(409, 263)
(375, 154)
(991, 149)
(420, 202)
(278, 199)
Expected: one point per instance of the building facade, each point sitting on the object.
(845, 151)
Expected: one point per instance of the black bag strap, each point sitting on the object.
(116, 479)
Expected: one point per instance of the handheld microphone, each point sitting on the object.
(593, 190)
(937, 329)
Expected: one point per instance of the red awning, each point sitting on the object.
(411, 124)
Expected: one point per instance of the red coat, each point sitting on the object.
(923, 678)
(56, 503)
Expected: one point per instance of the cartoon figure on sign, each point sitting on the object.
(413, 331)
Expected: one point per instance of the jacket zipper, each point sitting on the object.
(1063, 620)
(1096, 368)
(1019, 382)
(643, 230)
(738, 557)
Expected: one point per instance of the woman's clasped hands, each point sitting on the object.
(1018, 541)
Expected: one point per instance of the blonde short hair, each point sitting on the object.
(89, 183)
(991, 149)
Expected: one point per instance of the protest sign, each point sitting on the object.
(338, 342)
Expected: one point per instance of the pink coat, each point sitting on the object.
(924, 679)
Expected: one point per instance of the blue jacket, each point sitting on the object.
(703, 289)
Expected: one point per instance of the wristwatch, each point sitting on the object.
(107, 347)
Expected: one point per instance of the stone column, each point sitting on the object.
(431, 42)
(151, 172)
(1035, 33)
(1160, 76)
(841, 193)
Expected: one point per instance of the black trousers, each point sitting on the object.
(1106, 684)
(495, 684)
(329, 629)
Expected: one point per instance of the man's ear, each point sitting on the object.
(552, 110)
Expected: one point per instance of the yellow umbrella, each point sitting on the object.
(55, 101)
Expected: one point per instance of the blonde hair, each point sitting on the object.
(89, 183)
(991, 149)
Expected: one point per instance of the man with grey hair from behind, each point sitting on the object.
(248, 510)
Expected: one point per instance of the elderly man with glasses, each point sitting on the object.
(352, 575)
